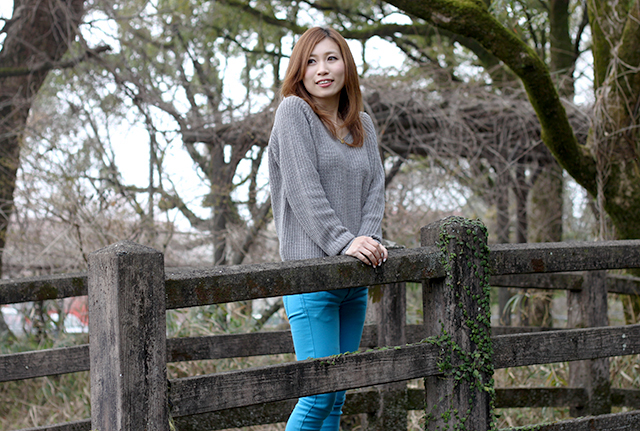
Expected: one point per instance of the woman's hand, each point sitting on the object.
(368, 250)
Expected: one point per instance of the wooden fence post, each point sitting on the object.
(390, 312)
(456, 313)
(587, 308)
(127, 323)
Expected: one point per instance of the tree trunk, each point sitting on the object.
(562, 54)
(39, 32)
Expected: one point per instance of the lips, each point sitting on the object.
(324, 82)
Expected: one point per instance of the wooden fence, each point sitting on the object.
(454, 350)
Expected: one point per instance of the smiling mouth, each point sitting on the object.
(324, 82)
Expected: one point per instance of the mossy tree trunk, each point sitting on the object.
(608, 168)
(615, 138)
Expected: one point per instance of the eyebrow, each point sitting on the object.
(325, 53)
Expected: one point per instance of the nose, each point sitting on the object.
(322, 68)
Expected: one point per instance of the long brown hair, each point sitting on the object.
(350, 104)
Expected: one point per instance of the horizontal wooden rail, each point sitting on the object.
(625, 398)
(368, 402)
(192, 287)
(540, 397)
(188, 287)
(623, 284)
(82, 425)
(565, 345)
(620, 284)
(627, 421)
(201, 394)
(203, 286)
(40, 288)
(529, 258)
(64, 360)
(26, 365)
(40, 363)
(559, 281)
(215, 392)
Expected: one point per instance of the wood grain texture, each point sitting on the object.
(563, 256)
(38, 363)
(42, 287)
(585, 309)
(451, 308)
(561, 346)
(199, 286)
(83, 425)
(628, 421)
(127, 318)
(213, 392)
(187, 287)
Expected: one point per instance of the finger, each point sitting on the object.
(385, 253)
(358, 254)
(370, 256)
(379, 252)
(364, 258)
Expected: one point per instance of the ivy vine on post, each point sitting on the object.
(457, 318)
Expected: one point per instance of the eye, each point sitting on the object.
(332, 58)
(311, 61)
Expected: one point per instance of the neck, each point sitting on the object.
(331, 107)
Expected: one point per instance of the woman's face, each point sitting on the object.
(324, 76)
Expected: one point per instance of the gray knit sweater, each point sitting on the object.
(324, 193)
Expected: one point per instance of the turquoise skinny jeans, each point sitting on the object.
(324, 324)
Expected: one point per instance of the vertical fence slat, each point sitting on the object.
(127, 318)
(452, 312)
(390, 313)
(587, 308)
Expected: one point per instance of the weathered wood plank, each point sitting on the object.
(625, 398)
(508, 330)
(623, 284)
(38, 363)
(83, 425)
(229, 346)
(367, 402)
(128, 350)
(201, 394)
(43, 287)
(403, 265)
(560, 281)
(452, 305)
(261, 414)
(540, 397)
(588, 309)
(389, 312)
(566, 345)
(187, 287)
(49, 362)
(563, 256)
(628, 421)
(264, 414)
(75, 359)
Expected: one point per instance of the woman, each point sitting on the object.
(327, 191)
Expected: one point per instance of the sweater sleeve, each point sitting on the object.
(373, 209)
(301, 180)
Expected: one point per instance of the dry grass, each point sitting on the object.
(44, 401)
